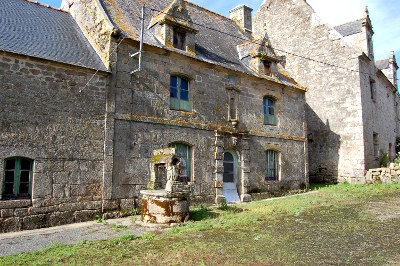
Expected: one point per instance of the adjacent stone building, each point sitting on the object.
(78, 128)
(352, 100)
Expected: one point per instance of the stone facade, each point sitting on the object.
(47, 120)
(342, 114)
(91, 146)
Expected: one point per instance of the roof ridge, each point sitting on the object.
(48, 6)
(360, 19)
(208, 10)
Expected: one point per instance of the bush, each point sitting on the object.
(398, 144)
(384, 159)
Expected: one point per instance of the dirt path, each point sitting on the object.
(31, 240)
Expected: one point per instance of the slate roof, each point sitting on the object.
(211, 46)
(382, 64)
(350, 28)
(36, 30)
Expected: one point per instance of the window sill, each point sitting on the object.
(183, 112)
(15, 203)
(270, 125)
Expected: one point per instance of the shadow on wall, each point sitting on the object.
(323, 149)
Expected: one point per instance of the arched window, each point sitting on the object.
(17, 182)
(179, 94)
(183, 151)
(269, 111)
(272, 165)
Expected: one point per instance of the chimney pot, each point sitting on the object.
(242, 16)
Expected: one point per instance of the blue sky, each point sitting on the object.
(384, 14)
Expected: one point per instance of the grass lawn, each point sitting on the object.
(337, 225)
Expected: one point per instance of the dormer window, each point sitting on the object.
(267, 68)
(179, 39)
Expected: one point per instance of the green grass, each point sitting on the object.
(341, 225)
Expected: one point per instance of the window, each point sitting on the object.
(179, 39)
(272, 165)
(372, 88)
(179, 97)
(183, 151)
(375, 138)
(17, 178)
(267, 68)
(269, 112)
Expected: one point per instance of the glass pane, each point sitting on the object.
(228, 167)
(10, 164)
(8, 188)
(228, 178)
(228, 157)
(184, 90)
(182, 151)
(9, 176)
(174, 92)
(265, 105)
(24, 188)
(271, 110)
(25, 164)
(270, 102)
(24, 176)
(174, 81)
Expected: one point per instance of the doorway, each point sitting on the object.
(230, 177)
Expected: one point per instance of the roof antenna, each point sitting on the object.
(141, 44)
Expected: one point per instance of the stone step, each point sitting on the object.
(230, 192)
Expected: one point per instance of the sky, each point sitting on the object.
(384, 14)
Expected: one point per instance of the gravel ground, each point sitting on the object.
(25, 241)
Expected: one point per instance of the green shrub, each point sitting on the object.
(384, 158)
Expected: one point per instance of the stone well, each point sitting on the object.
(169, 205)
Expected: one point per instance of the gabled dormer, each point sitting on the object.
(261, 57)
(174, 27)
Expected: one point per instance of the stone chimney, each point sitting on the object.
(394, 68)
(242, 16)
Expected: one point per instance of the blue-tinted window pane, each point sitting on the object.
(174, 81)
(174, 92)
(270, 102)
(184, 90)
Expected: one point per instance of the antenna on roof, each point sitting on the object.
(141, 44)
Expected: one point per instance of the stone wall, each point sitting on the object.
(337, 104)
(144, 122)
(48, 121)
(383, 175)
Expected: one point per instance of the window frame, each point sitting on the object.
(268, 118)
(177, 103)
(267, 65)
(177, 32)
(276, 156)
(188, 157)
(17, 178)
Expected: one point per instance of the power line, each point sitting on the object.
(95, 73)
(277, 49)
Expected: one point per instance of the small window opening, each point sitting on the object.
(272, 165)
(372, 88)
(376, 144)
(183, 151)
(269, 111)
(267, 68)
(179, 39)
(179, 94)
(17, 178)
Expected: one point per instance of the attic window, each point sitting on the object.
(179, 39)
(267, 68)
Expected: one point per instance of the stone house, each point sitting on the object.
(352, 101)
(78, 128)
